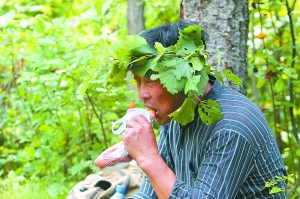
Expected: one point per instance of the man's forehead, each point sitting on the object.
(136, 76)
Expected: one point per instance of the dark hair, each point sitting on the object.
(168, 34)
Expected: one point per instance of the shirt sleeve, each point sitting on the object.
(145, 191)
(222, 170)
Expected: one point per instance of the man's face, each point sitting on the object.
(156, 97)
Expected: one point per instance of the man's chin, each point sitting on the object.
(162, 121)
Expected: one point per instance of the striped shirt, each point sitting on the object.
(232, 158)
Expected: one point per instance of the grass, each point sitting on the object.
(12, 189)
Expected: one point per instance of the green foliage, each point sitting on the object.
(18, 187)
(274, 75)
(274, 188)
(49, 138)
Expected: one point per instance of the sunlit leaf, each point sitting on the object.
(81, 89)
(275, 190)
(185, 114)
(232, 77)
(260, 83)
(291, 72)
(4, 19)
(279, 86)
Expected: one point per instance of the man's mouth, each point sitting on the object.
(153, 111)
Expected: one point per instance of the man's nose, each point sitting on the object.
(143, 92)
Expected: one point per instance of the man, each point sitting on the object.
(232, 158)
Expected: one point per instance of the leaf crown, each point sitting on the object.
(181, 68)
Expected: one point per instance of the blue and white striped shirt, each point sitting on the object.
(232, 158)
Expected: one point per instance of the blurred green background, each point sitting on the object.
(49, 138)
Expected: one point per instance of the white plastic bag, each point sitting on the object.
(129, 115)
(116, 157)
(113, 159)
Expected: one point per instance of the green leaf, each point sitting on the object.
(273, 61)
(49, 77)
(79, 167)
(168, 80)
(275, 190)
(270, 183)
(291, 72)
(143, 49)
(143, 68)
(81, 89)
(185, 46)
(198, 62)
(160, 48)
(22, 92)
(118, 70)
(202, 82)
(232, 77)
(40, 25)
(140, 61)
(58, 62)
(287, 104)
(166, 62)
(260, 83)
(279, 86)
(122, 48)
(100, 55)
(4, 19)
(193, 32)
(119, 67)
(191, 84)
(298, 189)
(185, 114)
(209, 111)
(183, 69)
(219, 77)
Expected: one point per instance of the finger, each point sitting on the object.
(140, 119)
(132, 123)
(126, 133)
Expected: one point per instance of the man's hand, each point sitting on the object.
(139, 140)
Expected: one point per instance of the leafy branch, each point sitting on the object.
(273, 184)
(99, 117)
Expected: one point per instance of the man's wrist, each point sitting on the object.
(161, 177)
(150, 162)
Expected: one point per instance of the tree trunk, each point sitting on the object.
(135, 24)
(135, 16)
(226, 22)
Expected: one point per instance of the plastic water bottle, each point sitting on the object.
(120, 192)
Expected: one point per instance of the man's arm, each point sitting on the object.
(161, 177)
(140, 142)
